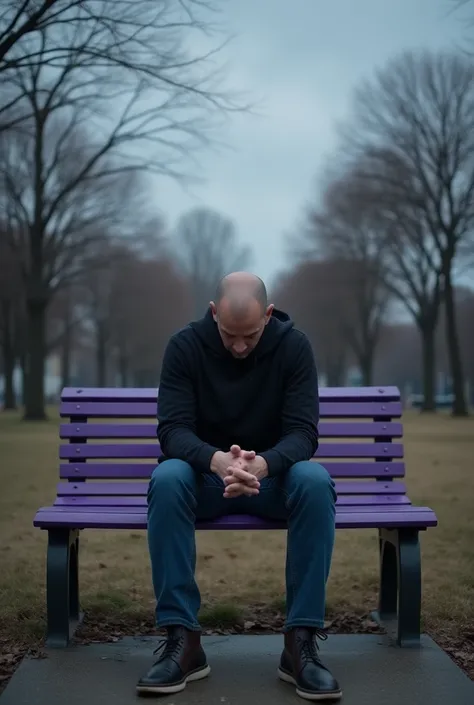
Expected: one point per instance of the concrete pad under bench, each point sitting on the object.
(243, 671)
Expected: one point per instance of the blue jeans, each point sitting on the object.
(305, 497)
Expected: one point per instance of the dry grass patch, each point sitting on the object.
(236, 570)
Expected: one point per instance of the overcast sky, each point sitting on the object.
(301, 59)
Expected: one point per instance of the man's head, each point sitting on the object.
(241, 312)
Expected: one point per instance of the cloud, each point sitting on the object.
(301, 62)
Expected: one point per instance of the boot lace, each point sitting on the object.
(309, 647)
(169, 647)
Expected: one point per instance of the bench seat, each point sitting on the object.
(133, 518)
(110, 449)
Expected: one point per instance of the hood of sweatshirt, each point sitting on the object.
(276, 329)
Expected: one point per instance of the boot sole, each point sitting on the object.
(306, 694)
(176, 687)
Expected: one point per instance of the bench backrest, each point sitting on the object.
(111, 435)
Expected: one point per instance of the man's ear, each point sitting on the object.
(269, 312)
(213, 310)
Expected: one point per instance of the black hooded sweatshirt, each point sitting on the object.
(267, 402)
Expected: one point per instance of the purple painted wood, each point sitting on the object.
(328, 409)
(123, 504)
(136, 471)
(130, 489)
(419, 517)
(153, 450)
(151, 393)
(341, 509)
(135, 430)
(127, 501)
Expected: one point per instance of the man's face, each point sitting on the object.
(240, 334)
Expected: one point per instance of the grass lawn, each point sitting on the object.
(239, 571)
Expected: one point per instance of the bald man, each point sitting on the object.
(238, 424)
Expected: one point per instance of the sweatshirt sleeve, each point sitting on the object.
(300, 412)
(177, 412)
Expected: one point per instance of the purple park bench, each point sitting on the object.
(110, 440)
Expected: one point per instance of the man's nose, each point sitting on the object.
(240, 347)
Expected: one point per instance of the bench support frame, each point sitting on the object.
(399, 610)
(62, 585)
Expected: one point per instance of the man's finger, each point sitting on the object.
(235, 449)
(243, 476)
(248, 454)
(237, 489)
(232, 478)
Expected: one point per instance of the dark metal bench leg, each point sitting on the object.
(400, 585)
(74, 605)
(62, 596)
(409, 589)
(388, 593)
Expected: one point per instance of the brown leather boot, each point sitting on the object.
(300, 665)
(181, 660)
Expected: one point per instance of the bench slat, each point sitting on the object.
(134, 430)
(389, 393)
(136, 471)
(153, 450)
(49, 517)
(329, 409)
(129, 489)
(127, 501)
(341, 509)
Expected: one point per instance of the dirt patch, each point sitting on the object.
(11, 655)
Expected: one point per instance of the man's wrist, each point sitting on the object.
(214, 464)
(262, 467)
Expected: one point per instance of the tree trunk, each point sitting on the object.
(67, 343)
(335, 370)
(35, 361)
(101, 355)
(366, 361)
(454, 353)
(123, 370)
(66, 358)
(429, 367)
(9, 401)
(23, 374)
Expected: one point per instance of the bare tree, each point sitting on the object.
(64, 324)
(398, 358)
(131, 41)
(466, 316)
(94, 90)
(344, 230)
(402, 252)
(314, 295)
(11, 310)
(19, 18)
(419, 111)
(133, 303)
(59, 204)
(464, 9)
(207, 247)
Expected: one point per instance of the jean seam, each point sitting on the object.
(289, 555)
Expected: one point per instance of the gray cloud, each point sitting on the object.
(302, 60)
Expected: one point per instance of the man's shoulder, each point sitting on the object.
(297, 340)
(182, 335)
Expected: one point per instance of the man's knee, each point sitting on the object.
(171, 478)
(310, 478)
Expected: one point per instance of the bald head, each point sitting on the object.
(241, 311)
(239, 289)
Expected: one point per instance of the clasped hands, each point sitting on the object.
(240, 470)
